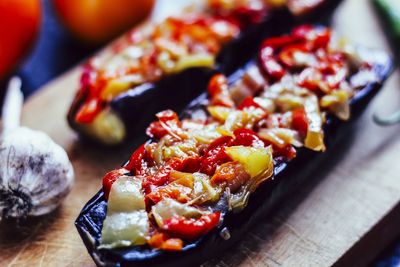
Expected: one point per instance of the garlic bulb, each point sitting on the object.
(35, 174)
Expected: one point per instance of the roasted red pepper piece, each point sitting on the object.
(168, 121)
(89, 110)
(190, 229)
(279, 42)
(321, 39)
(246, 137)
(300, 122)
(288, 152)
(218, 91)
(156, 130)
(137, 163)
(215, 155)
(110, 178)
(286, 56)
(302, 32)
(248, 102)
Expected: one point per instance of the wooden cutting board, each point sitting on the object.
(345, 215)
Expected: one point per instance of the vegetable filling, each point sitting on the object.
(177, 187)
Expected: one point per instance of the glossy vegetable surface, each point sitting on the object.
(286, 177)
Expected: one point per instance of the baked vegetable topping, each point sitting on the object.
(196, 169)
(153, 51)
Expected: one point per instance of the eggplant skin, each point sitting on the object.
(287, 178)
(136, 107)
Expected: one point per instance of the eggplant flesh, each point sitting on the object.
(287, 177)
(134, 109)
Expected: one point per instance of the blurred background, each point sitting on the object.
(40, 40)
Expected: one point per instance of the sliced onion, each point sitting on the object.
(168, 208)
(315, 135)
(281, 137)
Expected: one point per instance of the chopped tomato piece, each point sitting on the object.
(300, 122)
(302, 31)
(232, 174)
(215, 155)
(88, 111)
(191, 164)
(322, 39)
(286, 56)
(269, 64)
(279, 42)
(156, 130)
(248, 102)
(248, 15)
(175, 191)
(189, 228)
(246, 137)
(167, 115)
(218, 90)
(287, 152)
(310, 79)
(161, 241)
(110, 178)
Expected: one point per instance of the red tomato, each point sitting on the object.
(19, 25)
(99, 21)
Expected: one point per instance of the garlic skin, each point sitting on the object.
(35, 174)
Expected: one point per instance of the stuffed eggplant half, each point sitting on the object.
(160, 65)
(203, 178)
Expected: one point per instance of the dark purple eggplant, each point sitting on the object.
(135, 108)
(287, 177)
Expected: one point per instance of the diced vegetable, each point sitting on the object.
(230, 174)
(168, 208)
(161, 241)
(190, 229)
(315, 135)
(281, 137)
(126, 195)
(110, 178)
(338, 103)
(127, 222)
(125, 229)
(203, 191)
(254, 160)
(219, 112)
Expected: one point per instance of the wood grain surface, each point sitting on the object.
(346, 214)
